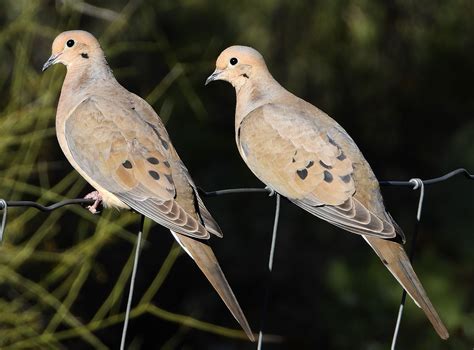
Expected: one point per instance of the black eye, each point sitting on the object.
(233, 61)
(70, 43)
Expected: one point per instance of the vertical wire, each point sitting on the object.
(132, 284)
(417, 183)
(4, 206)
(269, 272)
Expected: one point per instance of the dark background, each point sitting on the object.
(397, 75)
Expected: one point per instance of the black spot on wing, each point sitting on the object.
(84, 55)
(327, 176)
(332, 142)
(346, 178)
(293, 159)
(127, 164)
(154, 174)
(169, 178)
(163, 142)
(167, 164)
(154, 129)
(310, 164)
(153, 160)
(302, 173)
(341, 157)
(324, 165)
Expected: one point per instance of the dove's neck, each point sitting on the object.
(80, 80)
(259, 90)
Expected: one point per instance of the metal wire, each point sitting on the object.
(4, 205)
(84, 201)
(234, 191)
(417, 183)
(461, 171)
(51, 207)
(132, 284)
(270, 268)
(274, 233)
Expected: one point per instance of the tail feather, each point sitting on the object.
(204, 257)
(396, 260)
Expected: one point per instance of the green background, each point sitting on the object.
(397, 75)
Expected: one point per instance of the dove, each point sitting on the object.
(119, 145)
(306, 156)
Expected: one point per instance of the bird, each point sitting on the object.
(303, 154)
(119, 145)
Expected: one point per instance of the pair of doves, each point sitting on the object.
(118, 143)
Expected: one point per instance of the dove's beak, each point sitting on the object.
(213, 76)
(52, 60)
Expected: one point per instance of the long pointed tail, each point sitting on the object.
(204, 257)
(396, 260)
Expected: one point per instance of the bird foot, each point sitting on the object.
(97, 197)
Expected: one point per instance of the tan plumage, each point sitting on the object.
(303, 154)
(117, 142)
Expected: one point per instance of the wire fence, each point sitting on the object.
(415, 183)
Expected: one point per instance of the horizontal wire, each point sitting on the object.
(232, 191)
(83, 201)
(435, 180)
(42, 207)
(5, 204)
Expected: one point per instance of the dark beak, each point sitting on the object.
(52, 60)
(213, 76)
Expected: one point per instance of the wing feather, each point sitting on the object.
(301, 160)
(123, 154)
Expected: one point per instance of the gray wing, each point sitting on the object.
(124, 155)
(289, 151)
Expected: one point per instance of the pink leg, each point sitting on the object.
(97, 197)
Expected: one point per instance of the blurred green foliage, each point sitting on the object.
(397, 75)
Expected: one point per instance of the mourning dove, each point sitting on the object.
(117, 142)
(301, 153)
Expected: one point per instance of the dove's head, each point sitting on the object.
(237, 64)
(73, 48)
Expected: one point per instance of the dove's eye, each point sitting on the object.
(233, 61)
(70, 43)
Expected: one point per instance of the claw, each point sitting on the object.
(97, 197)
